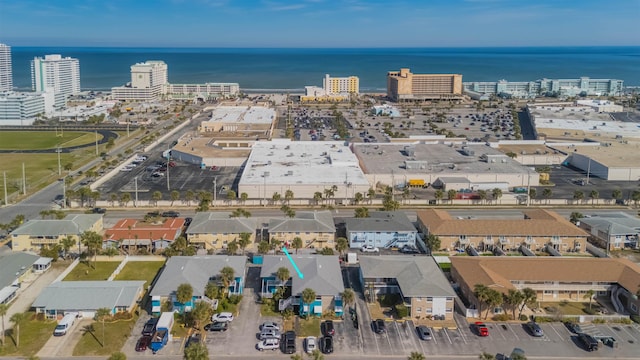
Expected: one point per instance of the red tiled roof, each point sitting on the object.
(130, 229)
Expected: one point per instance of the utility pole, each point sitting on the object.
(588, 171)
(215, 187)
(59, 165)
(135, 181)
(24, 181)
(96, 142)
(6, 200)
(64, 196)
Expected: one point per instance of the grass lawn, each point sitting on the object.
(115, 333)
(267, 310)
(38, 168)
(140, 270)
(84, 271)
(570, 308)
(36, 140)
(33, 335)
(308, 327)
(179, 330)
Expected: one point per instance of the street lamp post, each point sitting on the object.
(215, 190)
(264, 195)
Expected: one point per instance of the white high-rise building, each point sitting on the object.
(6, 74)
(56, 74)
(147, 80)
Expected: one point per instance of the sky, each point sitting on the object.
(319, 23)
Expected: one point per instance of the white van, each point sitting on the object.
(65, 324)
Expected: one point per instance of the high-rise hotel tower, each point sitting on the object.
(55, 74)
(6, 75)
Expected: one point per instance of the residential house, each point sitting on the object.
(131, 235)
(86, 297)
(382, 229)
(617, 230)
(537, 229)
(553, 278)
(321, 273)
(197, 271)
(214, 230)
(418, 281)
(315, 228)
(35, 234)
(15, 268)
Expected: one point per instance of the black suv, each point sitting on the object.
(171, 213)
(99, 210)
(379, 326)
(327, 328)
(588, 341)
(149, 327)
(289, 342)
(326, 344)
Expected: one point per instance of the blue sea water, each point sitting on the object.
(292, 69)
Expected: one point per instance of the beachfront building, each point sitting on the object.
(304, 167)
(403, 85)
(147, 81)
(552, 278)
(333, 89)
(202, 92)
(531, 89)
(20, 108)
(537, 230)
(6, 72)
(57, 74)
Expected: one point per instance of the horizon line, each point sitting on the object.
(324, 47)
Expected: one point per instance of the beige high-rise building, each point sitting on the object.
(403, 85)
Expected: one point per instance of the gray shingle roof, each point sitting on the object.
(72, 224)
(195, 270)
(321, 273)
(88, 295)
(305, 221)
(216, 223)
(384, 221)
(621, 223)
(13, 265)
(417, 276)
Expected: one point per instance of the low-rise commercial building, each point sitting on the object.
(36, 234)
(535, 231)
(552, 278)
(315, 228)
(418, 281)
(214, 230)
(382, 229)
(403, 85)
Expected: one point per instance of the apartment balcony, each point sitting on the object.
(530, 241)
(566, 287)
(505, 241)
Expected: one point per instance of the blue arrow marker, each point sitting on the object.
(284, 249)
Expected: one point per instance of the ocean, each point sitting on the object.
(290, 70)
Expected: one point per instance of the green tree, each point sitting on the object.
(529, 299)
(308, 297)
(227, 276)
(348, 297)
(578, 195)
(175, 195)
(197, 351)
(438, 195)
(276, 197)
(361, 212)
(201, 312)
(283, 275)
(93, 241)
(416, 356)
(117, 356)
(232, 247)
(494, 298)
(184, 294)
(296, 357)
(316, 355)
(532, 193)
(451, 194)
(244, 241)
(125, 198)
(433, 242)
(371, 194)
(156, 196)
(288, 196)
(594, 195)
(486, 356)
(212, 291)
(513, 299)
(496, 193)
(17, 319)
(482, 194)
(358, 198)
(342, 244)
(297, 243)
(67, 243)
(3, 312)
(317, 196)
(588, 295)
(263, 247)
(616, 194)
(575, 217)
(189, 196)
(481, 292)
(101, 315)
(244, 197)
(547, 193)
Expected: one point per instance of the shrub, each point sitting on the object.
(635, 318)
(622, 321)
(502, 317)
(524, 317)
(235, 299)
(402, 311)
(599, 321)
(589, 311)
(543, 319)
(122, 316)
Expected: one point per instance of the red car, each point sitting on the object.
(481, 328)
(143, 343)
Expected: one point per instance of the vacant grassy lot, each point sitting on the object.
(33, 335)
(140, 270)
(308, 327)
(115, 335)
(85, 271)
(38, 140)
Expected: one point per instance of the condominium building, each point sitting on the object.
(405, 86)
(6, 74)
(341, 85)
(147, 81)
(19, 108)
(531, 89)
(204, 92)
(56, 74)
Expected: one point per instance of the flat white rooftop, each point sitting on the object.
(302, 162)
(243, 114)
(581, 118)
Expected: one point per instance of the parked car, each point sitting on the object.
(481, 328)
(369, 249)
(424, 332)
(409, 250)
(573, 327)
(269, 333)
(222, 317)
(326, 344)
(310, 344)
(588, 341)
(379, 326)
(99, 210)
(217, 326)
(187, 221)
(170, 213)
(327, 328)
(269, 325)
(534, 329)
(143, 343)
(193, 339)
(149, 327)
(289, 342)
(268, 344)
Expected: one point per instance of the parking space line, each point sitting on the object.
(433, 337)
(499, 332)
(556, 331)
(401, 342)
(514, 332)
(464, 338)
(447, 334)
(624, 328)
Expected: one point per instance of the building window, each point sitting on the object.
(418, 299)
(429, 299)
(429, 311)
(449, 298)
(488, 239)
(462, 237)
(548, 292)
(418, 310)
(555, 238)
(449, 310)
(634, 308)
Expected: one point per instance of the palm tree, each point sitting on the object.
(308, 297)
(532, 193)
(361, 212)
(529, 298)
(283, 275)
(296, 357)
(513, 298)
(288, 196)
(358, 198)
(297, 243)
(494, 298)
(244, 196)
(125, 198)
(156, 196)
(589, 295)
(93, 241)
(316, 355)
(67, 243)
(496, 193)
(196, 351)
(451, 195)
(276, 197)
(189, 196)
(101, 314)
(117, 356)
(317, 196)
(17, 319)
(433, 241)
(201, 313)
(348, 297)
(438, 195)
(578, 195)
(263, 247)
(482, 194)
(616, 194)
(635, 196)
(486, 356)
(342, 244)
(3, 312)
(232, 247)
(594, 195)
(227, 275)
(175, 195)
(244, 241)
(481, 292)
(416, 356)
(184, 294)
(371, 193)
(575, 217)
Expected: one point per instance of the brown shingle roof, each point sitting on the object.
(502, 270)
(535, 223)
